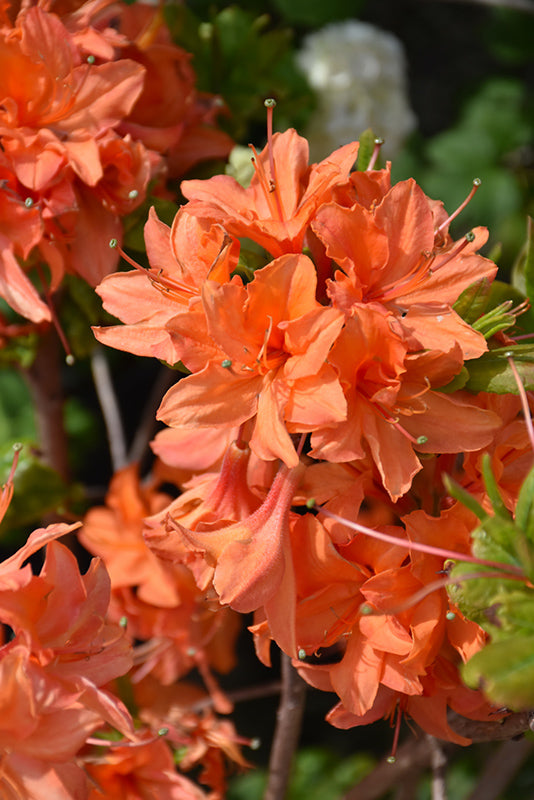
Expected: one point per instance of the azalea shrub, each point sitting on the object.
(335, 461)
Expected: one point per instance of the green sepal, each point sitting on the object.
(498, 319)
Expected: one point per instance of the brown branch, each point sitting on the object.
(506, 728)
(286, 736)
(45, 384)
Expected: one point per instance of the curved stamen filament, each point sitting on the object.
(435, 586)
(158, 279)
(262, 355)
(468, 238)
(374, 155)
(524, 400)
(476, 184)
(420, 547)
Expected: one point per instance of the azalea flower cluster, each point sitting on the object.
(314, 314)
(64, 731)
(96, 103)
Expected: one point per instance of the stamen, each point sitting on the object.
(158, 280)
(69, 358)
(270, 104)
(393, 755)
(420, 547)
(395, 422)
(374, 155)
(262, 355)
(9, 486)
(476, 184)
(435, 586)
(524, 398)
(468, 238)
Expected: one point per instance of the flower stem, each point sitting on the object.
(45, 384)
(286, 736)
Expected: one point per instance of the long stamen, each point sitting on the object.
(159, 281)
(69, 358)
(524, 399)
(262, 355)
(442, 583)
(393, 755)
(420, 547)
(468, 238)
(374, 155)
(409, 282)
(270, 105)
(476, 184)
(9, 486)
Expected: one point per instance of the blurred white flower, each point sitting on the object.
(359, 74)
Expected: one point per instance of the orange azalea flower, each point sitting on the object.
(114, 533)
(273, 339)
(170, 116)
(163, 607)
(249, 562)
(392, 411)
(52, 670)
(152, 302)
(442, 690)
(138, 773)
(205, 740)
(394, 254)
(285, 193)
(390, 630)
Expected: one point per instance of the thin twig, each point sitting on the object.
(286, 736)
(147, 426)
(110, 408)
(413, 756)
(439, 763)
(241, 695)
(501, 768)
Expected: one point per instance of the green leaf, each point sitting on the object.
(524, 510)
(366, 149)
(39, 490)
(505, 672)
(473, 301)
(492, 489)
(476, 597)
(529, 261)
(492, 373)
(494, 540)
(463, 497)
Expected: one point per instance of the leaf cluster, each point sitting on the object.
(501, 600)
